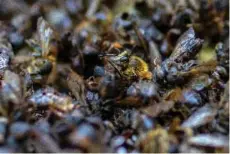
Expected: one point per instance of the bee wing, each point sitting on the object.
(187, 46)
(35, 46)
(210, 140)
(76, 86)
(205, 67)
(45, 35)
(201, 117)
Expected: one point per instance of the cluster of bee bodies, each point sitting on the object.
(128, 84)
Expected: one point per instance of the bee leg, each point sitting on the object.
(134, 72)
(53, 74)
(115, 68)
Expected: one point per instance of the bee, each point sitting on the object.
(188, 45)
(12, 92)
(6, 53)
(181, 60)
(38, 68)
(222, 52)
(132, 66)
(68, 79)
(156, 140)
(140, 94)
(42, 67)
(138, 67)
(50, 97)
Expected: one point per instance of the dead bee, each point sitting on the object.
(212, 15)
(83, 133)
(19, 130)
(73, 82)
(156, 140)
(218, 141)
(76, 85)
(182, 18)
(38, 68)
(11, 92)
(132, 66)
(51, 98)
(204, 78)
(38, 139)
(222, 53)
(4, 61)
(140, 94)
(6, 53)
(187, 47)
(181, 59)
(124, 142)
(108, 86)
(138, 67)
(124, 23)
(43, 63)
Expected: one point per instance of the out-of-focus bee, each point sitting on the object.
(218, 69)
(140, 94)
(124, 142)
(11, 92)
(51, 98)
(222, 52)
(156, 140)
(38, 68)
(68, 79)
(6, 53)
(212, 15)
(43, 64)
(83, 133)
(159, 140)
(169, 42)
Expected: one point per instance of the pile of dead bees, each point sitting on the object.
(114, 76)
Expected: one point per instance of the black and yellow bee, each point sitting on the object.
(133, 66)
(137, 67)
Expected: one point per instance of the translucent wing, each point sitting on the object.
(47, 37)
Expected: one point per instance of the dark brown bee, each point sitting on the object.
(140, 94)
(73, 82)
(82, 133)
(186, 49)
